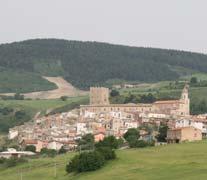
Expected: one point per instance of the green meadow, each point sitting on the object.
(177, 161)
(41, 105)
(163, 89)
(30, 108)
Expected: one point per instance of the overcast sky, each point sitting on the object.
(172, 24)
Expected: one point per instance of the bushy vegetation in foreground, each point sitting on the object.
(11, 162)
(97, 155)
(177, 161)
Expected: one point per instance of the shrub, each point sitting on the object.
(141, 144)
(87, 161)
(30, 148)
(132, 140)
(131, 132)
(11, 162)
(63, 98)
(151, 143)
(107, 153)
(114, 93)
(109, 141)
(90, 161)
(193, 80)
(120, 142)
(72, 166)
(18, 96)
(161, 137)
(2, 160)
(62, 150)
(48, 152)
(87, 142)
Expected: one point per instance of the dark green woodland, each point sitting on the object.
(89, 63)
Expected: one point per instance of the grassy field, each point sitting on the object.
(30, 108)
(162, 89)
(177, 161)
(199, 76)
(41, 105)
(19, 81)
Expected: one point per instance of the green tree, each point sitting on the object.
(62, 150)
(90, 161)
(72, 166)
(86, 161)
(132, 140)
(193, 80)
(18, 96)
(141, 144)
(114, 93)
(107, 152)
(131, 132)
(161, 137)
(30, 148)
(64, 98)
(48, 152)
(109, 141)
(87, 142)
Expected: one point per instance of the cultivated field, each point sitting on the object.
(170, 162)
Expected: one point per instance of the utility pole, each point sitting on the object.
(55, 169)
(80, 149)
(21, 177)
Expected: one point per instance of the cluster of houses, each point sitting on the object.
(103, 119)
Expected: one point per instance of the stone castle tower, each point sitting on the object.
(185, 107)
(99, 96)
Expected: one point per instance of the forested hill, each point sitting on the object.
(92, 63)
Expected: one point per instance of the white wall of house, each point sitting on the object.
(155, 115)
(187, 123)
(13, 134)
(81, 128)
(132, 124)
(89, 114)
(54, 145)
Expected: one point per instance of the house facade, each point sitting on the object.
(182, 134)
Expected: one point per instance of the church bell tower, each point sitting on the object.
(185, 100)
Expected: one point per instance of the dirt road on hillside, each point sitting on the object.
(64, 89)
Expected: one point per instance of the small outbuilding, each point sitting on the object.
(11, 152)
(182, 134)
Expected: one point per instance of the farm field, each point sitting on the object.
(176, 161)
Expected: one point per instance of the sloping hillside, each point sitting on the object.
(92, 63)
(16, 112)
(63, 89)
(178, 161)
(12, 80)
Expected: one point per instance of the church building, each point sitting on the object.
(99, 102)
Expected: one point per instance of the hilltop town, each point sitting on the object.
(102, 119)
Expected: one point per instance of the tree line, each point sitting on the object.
(86, 64)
